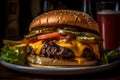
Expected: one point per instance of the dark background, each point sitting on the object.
(25, 16)
(2, 20)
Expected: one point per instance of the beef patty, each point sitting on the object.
(51, 50)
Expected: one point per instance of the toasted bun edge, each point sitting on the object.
(65, 17)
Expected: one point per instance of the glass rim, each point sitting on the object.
(107, 2)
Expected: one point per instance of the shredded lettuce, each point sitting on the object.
(12, 55)
(109, 57)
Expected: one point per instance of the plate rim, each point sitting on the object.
(59, 70)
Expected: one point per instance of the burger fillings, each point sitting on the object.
(63, 37)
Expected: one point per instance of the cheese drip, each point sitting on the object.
(81, 60)
(37, 46)
(76, 46)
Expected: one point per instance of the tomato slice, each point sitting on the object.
(27, 41)
(45, 36)
(49, 35)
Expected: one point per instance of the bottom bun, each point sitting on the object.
(43, 61)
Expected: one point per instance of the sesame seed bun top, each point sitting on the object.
(65, 17)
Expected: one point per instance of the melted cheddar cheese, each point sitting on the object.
(76, 46)
(95, 48)
(81, 60)
(37, 46)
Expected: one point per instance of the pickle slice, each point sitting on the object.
(68, 32)
(85, 39)
(41, 31)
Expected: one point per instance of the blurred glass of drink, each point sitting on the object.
(108, 17)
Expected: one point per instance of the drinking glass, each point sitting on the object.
(108, 18)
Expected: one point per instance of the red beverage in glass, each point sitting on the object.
(109, 24)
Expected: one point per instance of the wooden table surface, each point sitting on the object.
(110, 74)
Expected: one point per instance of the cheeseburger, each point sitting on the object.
(62, 38)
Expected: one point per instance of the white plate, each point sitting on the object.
(59, 70)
